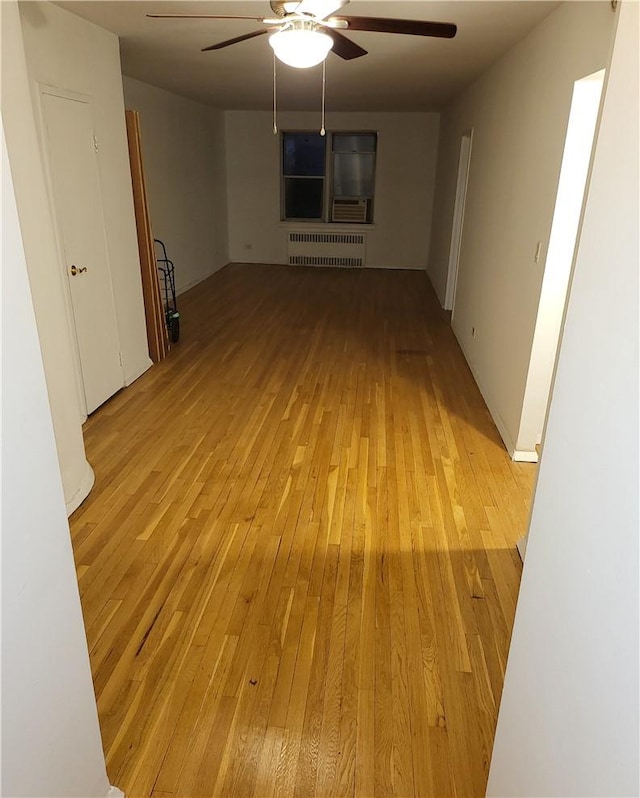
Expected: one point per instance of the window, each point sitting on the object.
(354, 161)
(328, 178)
(303, 167)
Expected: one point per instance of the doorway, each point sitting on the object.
(76, 195)
(579, 141)
(458, 219)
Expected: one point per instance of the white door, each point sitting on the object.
(458, 220)
(77, 198)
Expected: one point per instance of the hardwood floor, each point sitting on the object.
(298, 566)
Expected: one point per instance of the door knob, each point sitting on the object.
(74, 270)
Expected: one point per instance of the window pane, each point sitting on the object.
(303, 154)
(353, 175)
(354, 142)
(303, 198)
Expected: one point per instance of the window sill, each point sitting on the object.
(311, 225)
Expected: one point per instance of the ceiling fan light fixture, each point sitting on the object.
(302, 45)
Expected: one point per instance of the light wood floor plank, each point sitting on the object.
(297, 566)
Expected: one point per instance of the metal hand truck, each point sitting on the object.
(168, 288)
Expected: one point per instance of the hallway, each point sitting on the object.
(297, 566)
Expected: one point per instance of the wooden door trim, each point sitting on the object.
(153, 309)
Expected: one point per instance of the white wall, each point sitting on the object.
(568, 722)
(405, 179)
(50, 737)
(70, 53)
(518, 111)
(562, 240)
(183, 148)
(44, 271)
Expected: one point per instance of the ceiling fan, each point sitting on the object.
(304, 31)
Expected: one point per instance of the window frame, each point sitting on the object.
(327, 177)
(284, 178)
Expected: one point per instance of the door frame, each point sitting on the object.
(462, 182)
(86, 99)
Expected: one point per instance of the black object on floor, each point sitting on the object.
(168, 287)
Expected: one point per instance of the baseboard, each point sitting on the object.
(521, 545)
(184, 288)
(83, 490)
(522, 456)
(132, 376)
(497, 420)
(114, 792)
(441, 299)
(355, 268)
(519, 455)
(399, 268)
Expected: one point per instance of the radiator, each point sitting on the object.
(326, 249)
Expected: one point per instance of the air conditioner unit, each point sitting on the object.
(349, 210)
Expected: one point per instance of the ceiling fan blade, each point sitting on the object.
(320, 9)
(344, 47)
(209, 16)
(237, 39)
(414, 27)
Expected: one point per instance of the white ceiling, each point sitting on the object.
(401, 73)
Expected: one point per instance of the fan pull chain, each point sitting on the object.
(324, 81)
(275, 121)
